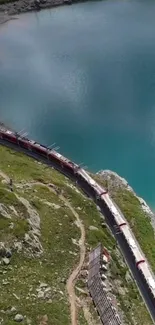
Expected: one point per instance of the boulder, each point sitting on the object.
(6, 261)
(40, 294)
(13, 309)
(19, 318)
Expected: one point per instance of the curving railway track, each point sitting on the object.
(129, 247)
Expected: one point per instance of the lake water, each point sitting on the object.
(83, 76)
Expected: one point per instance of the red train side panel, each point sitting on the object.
(9, 137)
(38, 149)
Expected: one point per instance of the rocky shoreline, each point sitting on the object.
(9, 10)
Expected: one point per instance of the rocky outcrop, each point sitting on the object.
(44, 291)
(31, 239)
(8, 10)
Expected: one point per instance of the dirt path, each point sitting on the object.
(71, 280)
(70, 286)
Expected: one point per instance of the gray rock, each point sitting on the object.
(27, 238)
(47, 293)
(11, 226)
(40, 294)
(6, 260)
(43, 285)
(13, 309)
(93, 228)
(5, 282)
(47, 289)
(2, 311)
(18, 246)
(19, 318)
(16, 296)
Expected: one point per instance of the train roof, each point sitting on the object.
(119, 217)
(133, 244)
(9, 132)
(91, 181)
(57, 154)
(150, 277)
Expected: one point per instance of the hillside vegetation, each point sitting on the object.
(47, 228)
(139, 220)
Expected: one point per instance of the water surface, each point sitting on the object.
(83, 76)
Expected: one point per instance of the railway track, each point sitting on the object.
(133, 256)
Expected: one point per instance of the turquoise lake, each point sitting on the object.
(83, 76)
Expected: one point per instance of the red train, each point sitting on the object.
(97, 191)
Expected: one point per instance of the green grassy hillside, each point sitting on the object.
(139, 220)
(40, 228)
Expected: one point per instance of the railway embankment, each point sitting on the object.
(139, 215)
(42, 219)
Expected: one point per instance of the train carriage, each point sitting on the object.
(38, 149)
(91, 187)
(24, 143)
(149, 280)
(62, 162)
(8, 136)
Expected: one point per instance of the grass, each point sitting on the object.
(4, 223)
(60, 255)
(20, 227)
(139, 221)
(131, 301)
(8, 198)
(81, 318)
(53, 266)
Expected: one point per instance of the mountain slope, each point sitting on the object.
(47, 227)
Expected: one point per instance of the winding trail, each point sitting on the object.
(70, 286)
(71, 280)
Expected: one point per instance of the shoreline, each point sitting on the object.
(11, 10)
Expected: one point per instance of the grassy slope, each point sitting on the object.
(139, 220)
(57, 230)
